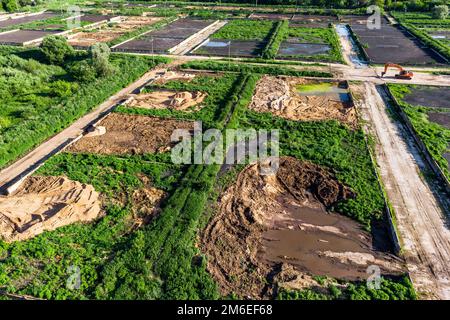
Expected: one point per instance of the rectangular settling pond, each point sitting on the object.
(302, 49)
(234, 48)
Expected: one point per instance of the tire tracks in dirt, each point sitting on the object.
(421, 222)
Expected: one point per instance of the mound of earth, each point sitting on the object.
(146, 204)
(44, 204)
(166, 99)
(131, 134)
(274, 230)
(174, 76)
(109, 32)
(279, 96)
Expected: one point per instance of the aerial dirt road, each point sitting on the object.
(421, 222)
(40, 153)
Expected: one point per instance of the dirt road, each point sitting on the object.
(38, 155)
(420, 220)
(196, 39)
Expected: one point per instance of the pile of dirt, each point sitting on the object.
(166, 99)
(174, 76)
(44, 204)
(279, 96)
(274, 230)
(146, 205)
(131, 134)
(111, 31)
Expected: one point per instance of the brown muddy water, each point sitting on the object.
(313, 241)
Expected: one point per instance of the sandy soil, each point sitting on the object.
(421, 221)
(174, 76)
(166, 99)
(110, 32)
(46, 203)
(279, 96)
(272, 231)
(131, 134)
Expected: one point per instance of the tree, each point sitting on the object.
(99, 54)
(83, 71)
(56, 49)
(440, 12)
(9, 5)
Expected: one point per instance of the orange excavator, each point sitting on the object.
(403, 74)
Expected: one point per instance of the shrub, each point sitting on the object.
(440, 12)
(9, 5)
(83, 71)
(56, 49)
(99, 54)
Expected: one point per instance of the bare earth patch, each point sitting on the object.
(131, 134)
(273, 231)
(44, 204)
(279, 96)
(166, 99)
(109, 32)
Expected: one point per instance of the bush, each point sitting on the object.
(99, 54)
(9, 5)
(440, 12)
(63, 89)
(83, 71)
(56, 49)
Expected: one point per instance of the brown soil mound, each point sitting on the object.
(279, 96)
(272, 231)
(109, 32)
(174, 76)
(165, 99)
(131, 134)
(146, 205)
(46, 203)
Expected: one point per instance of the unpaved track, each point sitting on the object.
(196, 39)
(42, 152)
(421, 221)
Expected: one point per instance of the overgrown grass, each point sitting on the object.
(217, 87)
(390, 289)
(278, 35)
(435, 136)
(260, 69)
(39, 100)
(245, 30)
(42, 266)
(326, 36)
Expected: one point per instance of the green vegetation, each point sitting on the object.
(45, 260)
(314, 87)
(275, 40)
(56, 49)
(39, 99)
(440, 12)
(400, 289)
(422, 25)
(326, 36)
(261, 69)
(245, 30)
(332, 145)
(217, 88)
(435, 137)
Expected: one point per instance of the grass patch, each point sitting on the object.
(249, 68)
(435, 137)
(245, 30)
(39, 100)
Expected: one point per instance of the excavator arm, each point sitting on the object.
(403, 74)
